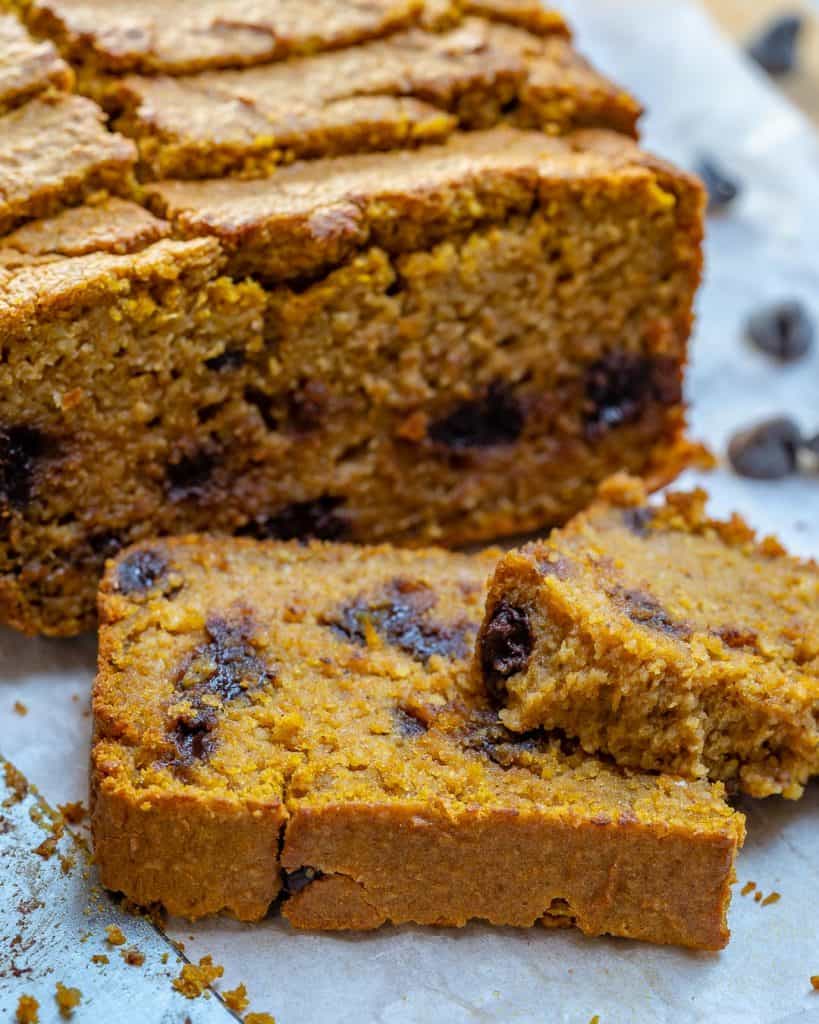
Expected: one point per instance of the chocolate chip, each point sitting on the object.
(140, 571)
(722, 189)
(767, 451)
(638, 520)
(298, 880)
(776, 47)
(399, 615)
(784, 330)
(505, 647)
(408, 724)
(227, 666)
(485, 734)
(193, 737)
(106, 544)
(189, 476)
(318, 520)
(621, 386)
(497, 418)
(230, 359)
(21, 447)
(645, 610)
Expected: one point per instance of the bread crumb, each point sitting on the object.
(133, 957)
(20, 708)
(260, 1018)
(114, 935)
(68, 999)
(757, 896)
(773, 897)
(47, 848)
(193, 980)
(595, 1019)
(27, 1009)
(100, 958)
(747, 888)
(164, 958)
(814, 980)
(236, 999)
(73, 813)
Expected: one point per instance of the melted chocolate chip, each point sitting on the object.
(645, 610)
(506, 644)
(621, 386)
(767, 451)
(737, 637)
(495, 419)
(400, 616)
(776, 48)
(638, 520)
(298, 880)
(784, 331)
(227, 666)
(303, 520)
(485, 734)
(193, 737)
(20, 449)
(189, 476)
(140, 571)
(722, 190)
(408, 724)
(230, 359)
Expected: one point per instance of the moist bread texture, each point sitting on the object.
(454, 344)
(275, 719)
(663, 638)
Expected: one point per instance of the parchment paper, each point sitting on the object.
(701, 95)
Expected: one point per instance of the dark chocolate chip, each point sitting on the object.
(767, 451)
(505, 647)
(20, 449)
(298, 880)
(722, 189)
(230, 359)
(106, 544)
(303, 520)
(638, 520)
(227, 666)
(497, 418)
(307, 405)
(189, 476)
(621, 386)
(776, 47)
(408, 724)
(785, 331)
(645, 610)
(140, 571)
(399, 614)
(485, 734)
(193, 737)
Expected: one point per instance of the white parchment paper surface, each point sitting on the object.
(701, 95)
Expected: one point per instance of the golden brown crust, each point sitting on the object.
(666, 639)
(333, 682)
(395, 93)
(27, 66)
(54, 152)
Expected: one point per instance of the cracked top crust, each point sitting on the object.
(322, 675)
(309, 217)
(177, 36)
(55, 151)
(27, 66)
(412, 87)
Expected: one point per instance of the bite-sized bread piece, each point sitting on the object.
(27, 66)
(663, 638)
(55, 151)
(459, 343)
(410, 88)
(180, 36)
(317, 700)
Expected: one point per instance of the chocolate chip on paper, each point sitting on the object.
(784, 330)
(776, 48)
(767, 450)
